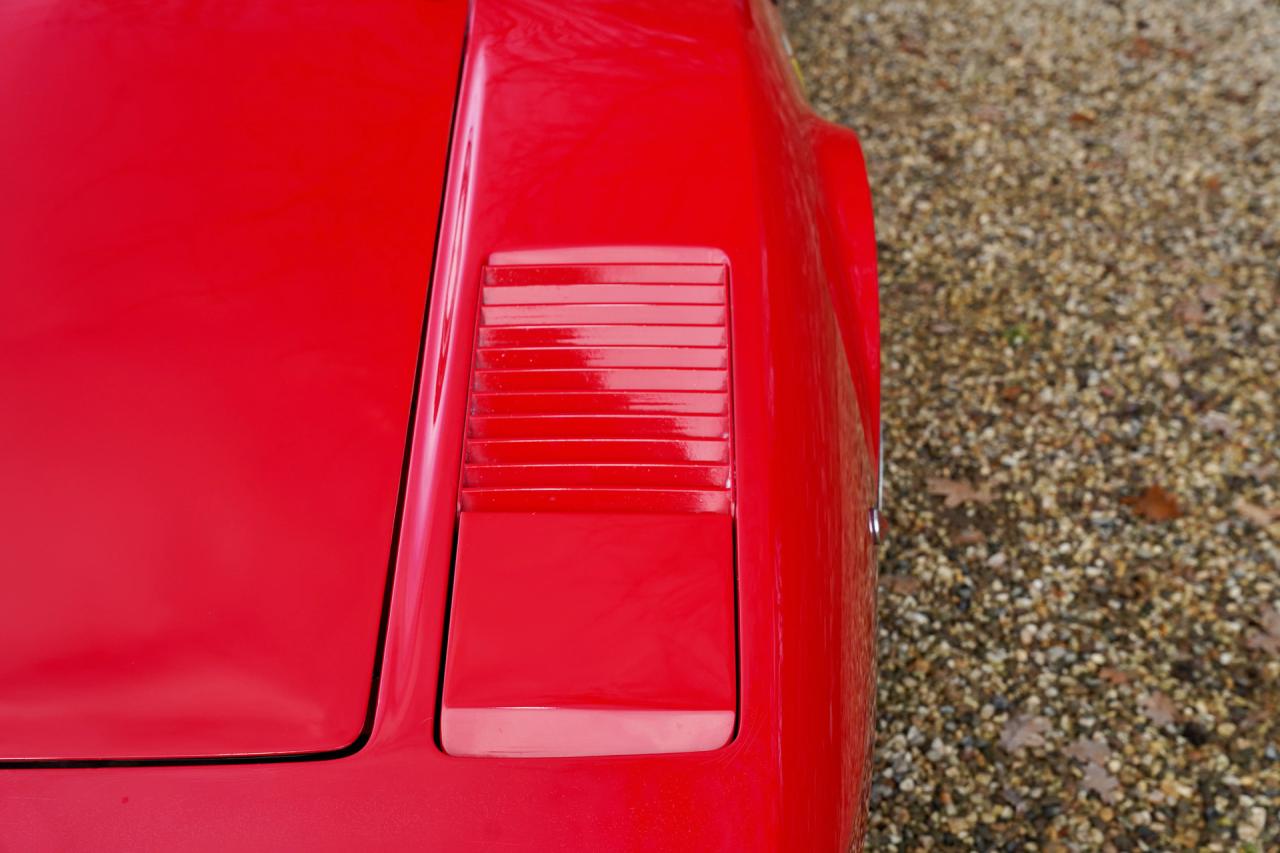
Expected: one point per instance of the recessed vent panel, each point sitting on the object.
(600, 386)
(592, 607)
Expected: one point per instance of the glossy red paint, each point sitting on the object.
(630, 649)
(214, 241)
(849, 233)
(623, 123)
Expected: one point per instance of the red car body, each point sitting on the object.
(431, 425)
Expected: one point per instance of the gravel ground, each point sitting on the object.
(1079, 221)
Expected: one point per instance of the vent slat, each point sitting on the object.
(596, 294)
(524, 358)
(605, 402)
(619, 379)
(570, 315)
(624, 475)
(557, 425)
(555, 498)
(600, 387)
(509, 451)
(605, 274)
(602, 336)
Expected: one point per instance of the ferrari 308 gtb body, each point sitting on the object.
(431, 425)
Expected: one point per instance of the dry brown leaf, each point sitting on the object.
(907, 44)
(1097, 779)
(1022, 731)
(1013, 798)
(1114, 676)
(1259, 515)
(902, 584)
(1261, 473)
(1159, 708)
(1192, 311)
(989, 113)
(1091, 750)
(1084, 118)
(1267, 639)
(1141, 47)
(1154, 504)
(1219, 423)
(1180, 352)
(1256, 717)
(957, 492)
(1211, 292)
(1108, 164)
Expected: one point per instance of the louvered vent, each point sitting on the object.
(600, 386)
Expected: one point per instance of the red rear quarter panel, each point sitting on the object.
(610, 124)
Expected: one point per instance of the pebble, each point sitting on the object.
(1078, 224)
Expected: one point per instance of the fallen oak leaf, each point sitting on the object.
(907, 44)
(1159, 708)
(1211, 292)
(1022, 731)
(1141, 47)
(957, 492)
(1268, 638)
(1262, 473)
(1191, 310)
(1187, 49)
(1013, 798)
(989, 113)
(901, 584)
(1180, 352)
(1259, 515)
(1108, 164)
(1114, 676)
(1098, 780)
(1214, 421)
(1255, 718)
(1089, 751)
(1154, 504)
(1237, 96)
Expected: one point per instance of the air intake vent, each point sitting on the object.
(601, 386)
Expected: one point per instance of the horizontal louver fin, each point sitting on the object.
(600, 387)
